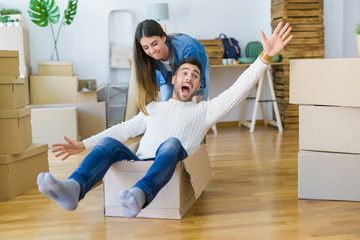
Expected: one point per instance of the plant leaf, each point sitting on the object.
(70, 12)
(43, 11)
(4, 19)
(40, 23)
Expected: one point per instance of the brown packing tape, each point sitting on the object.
(33, 149)
(12, 80)
(15, 113)
(56, 63)
(10, 54)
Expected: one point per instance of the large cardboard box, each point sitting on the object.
(55, 68)
(12, 93)
(332, 129)
(333, 82)
(18, 173)
(329, 176)
(15, 130)
(9, 64)
(174, 200)
(91, 116)
(16, 39)
(50, 125)
(53, 89)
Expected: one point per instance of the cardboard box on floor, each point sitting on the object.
(16, 39)
(15, 130)
(12, 93)
(329, 176)
(9, 64)
(18, 173)
(331, 129)
(53, 89)
(55, 68)
(325, 82)
(172, 202)
(91, 116)
(50, 125)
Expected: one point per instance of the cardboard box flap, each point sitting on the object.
(15, 113)
(134, 147)
(11, 80)
(57, 63)
(84, 84)
(33, 149)
(133, 166)
(199, 168)
(5, 54)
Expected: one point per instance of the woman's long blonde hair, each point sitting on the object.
(145, 66)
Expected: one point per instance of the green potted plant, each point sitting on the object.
(3, 20)
(17, 23)
(10, 23)
(357, 31)
(10, 11)
(46, 12)
(13, 13)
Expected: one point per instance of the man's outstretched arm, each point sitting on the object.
(230, 98)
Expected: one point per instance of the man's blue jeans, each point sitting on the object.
(108, 151)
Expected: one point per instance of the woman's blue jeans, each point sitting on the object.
(108, 151)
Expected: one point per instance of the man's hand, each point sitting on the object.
(277, 41)
(69, 148)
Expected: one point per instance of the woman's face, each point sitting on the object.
(155, 47)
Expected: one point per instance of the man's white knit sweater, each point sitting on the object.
(187, 121)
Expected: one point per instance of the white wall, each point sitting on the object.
(340, 17)
(85, 42)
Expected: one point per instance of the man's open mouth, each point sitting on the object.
(185, 89)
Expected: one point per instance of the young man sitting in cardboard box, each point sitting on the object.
(172, 131)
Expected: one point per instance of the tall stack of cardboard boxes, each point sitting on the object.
(327, 91)
(16, 39)
(306, 20)
(20, 159)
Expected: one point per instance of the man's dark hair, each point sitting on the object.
(193, 61)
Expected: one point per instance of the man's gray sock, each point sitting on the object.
(63, 192)
(132, 201)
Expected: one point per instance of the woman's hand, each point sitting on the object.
(69, 148)
(197, 98)
(277, 40)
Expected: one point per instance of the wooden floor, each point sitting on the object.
(253, 195)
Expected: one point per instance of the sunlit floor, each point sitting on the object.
(252, 195)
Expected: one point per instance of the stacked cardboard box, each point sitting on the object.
(62, 105)
(54, 84)
(329, 130)
(16, 39)
(20, 160)
(306, 19)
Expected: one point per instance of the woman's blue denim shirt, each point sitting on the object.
(184, 46)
